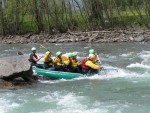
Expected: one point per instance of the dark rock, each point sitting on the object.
(6, 85)
(13, 85)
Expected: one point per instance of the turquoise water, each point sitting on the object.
(125, 91)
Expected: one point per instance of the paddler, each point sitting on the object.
(33, 57)
(48, 61)
(60, 62)
(76, 65)
(88, 66)
(95, 59)
(69, 66)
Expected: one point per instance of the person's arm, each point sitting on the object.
(92, 65)
(73, 63)
(79, 63)
(66, 62)
(36, 59)
(57, 62)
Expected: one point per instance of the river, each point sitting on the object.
(125, 91)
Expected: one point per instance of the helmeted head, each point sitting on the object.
(47, 53)
(33, 49)
(74, 54)
(91, 56)
(70, 55)
(58, 54)
(91, 51)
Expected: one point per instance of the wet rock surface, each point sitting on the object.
(15, 84)
(15, 66)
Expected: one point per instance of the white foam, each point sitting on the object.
(53, 81)
(6, 105)
(48, 98)
(127, 55)
(144, 54)
(138, 65)
(12, 49)
(71, 103)
(104, 75)
(110, 75)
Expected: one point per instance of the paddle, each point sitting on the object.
(98, 59)
(100, 63)
(44, 47)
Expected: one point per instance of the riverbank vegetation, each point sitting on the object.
(59, 16)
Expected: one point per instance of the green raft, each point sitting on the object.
(57, 74)
(66, 75)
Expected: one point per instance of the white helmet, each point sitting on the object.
(33, 49)
(91, 55)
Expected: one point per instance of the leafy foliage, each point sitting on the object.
(53, 16)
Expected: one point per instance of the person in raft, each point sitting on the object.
(76, 65)
(69, 66)
(60, 62)
(33, 57)
(88, 66)
(95, 59)
(48, 61)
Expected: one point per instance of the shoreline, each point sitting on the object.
(88, 37)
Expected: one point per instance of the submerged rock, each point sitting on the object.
(13, 85)
(15, 67)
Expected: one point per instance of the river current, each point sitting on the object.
(125, 91)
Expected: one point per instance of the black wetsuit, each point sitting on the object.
(33, 63)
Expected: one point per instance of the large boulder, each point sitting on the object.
(14, 67)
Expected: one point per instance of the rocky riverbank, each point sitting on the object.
(89, 37)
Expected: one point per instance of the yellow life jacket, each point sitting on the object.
(46, 58)
(74, 63)
(59, 62)
(65, 60)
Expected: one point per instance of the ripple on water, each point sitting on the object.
(7, 105)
